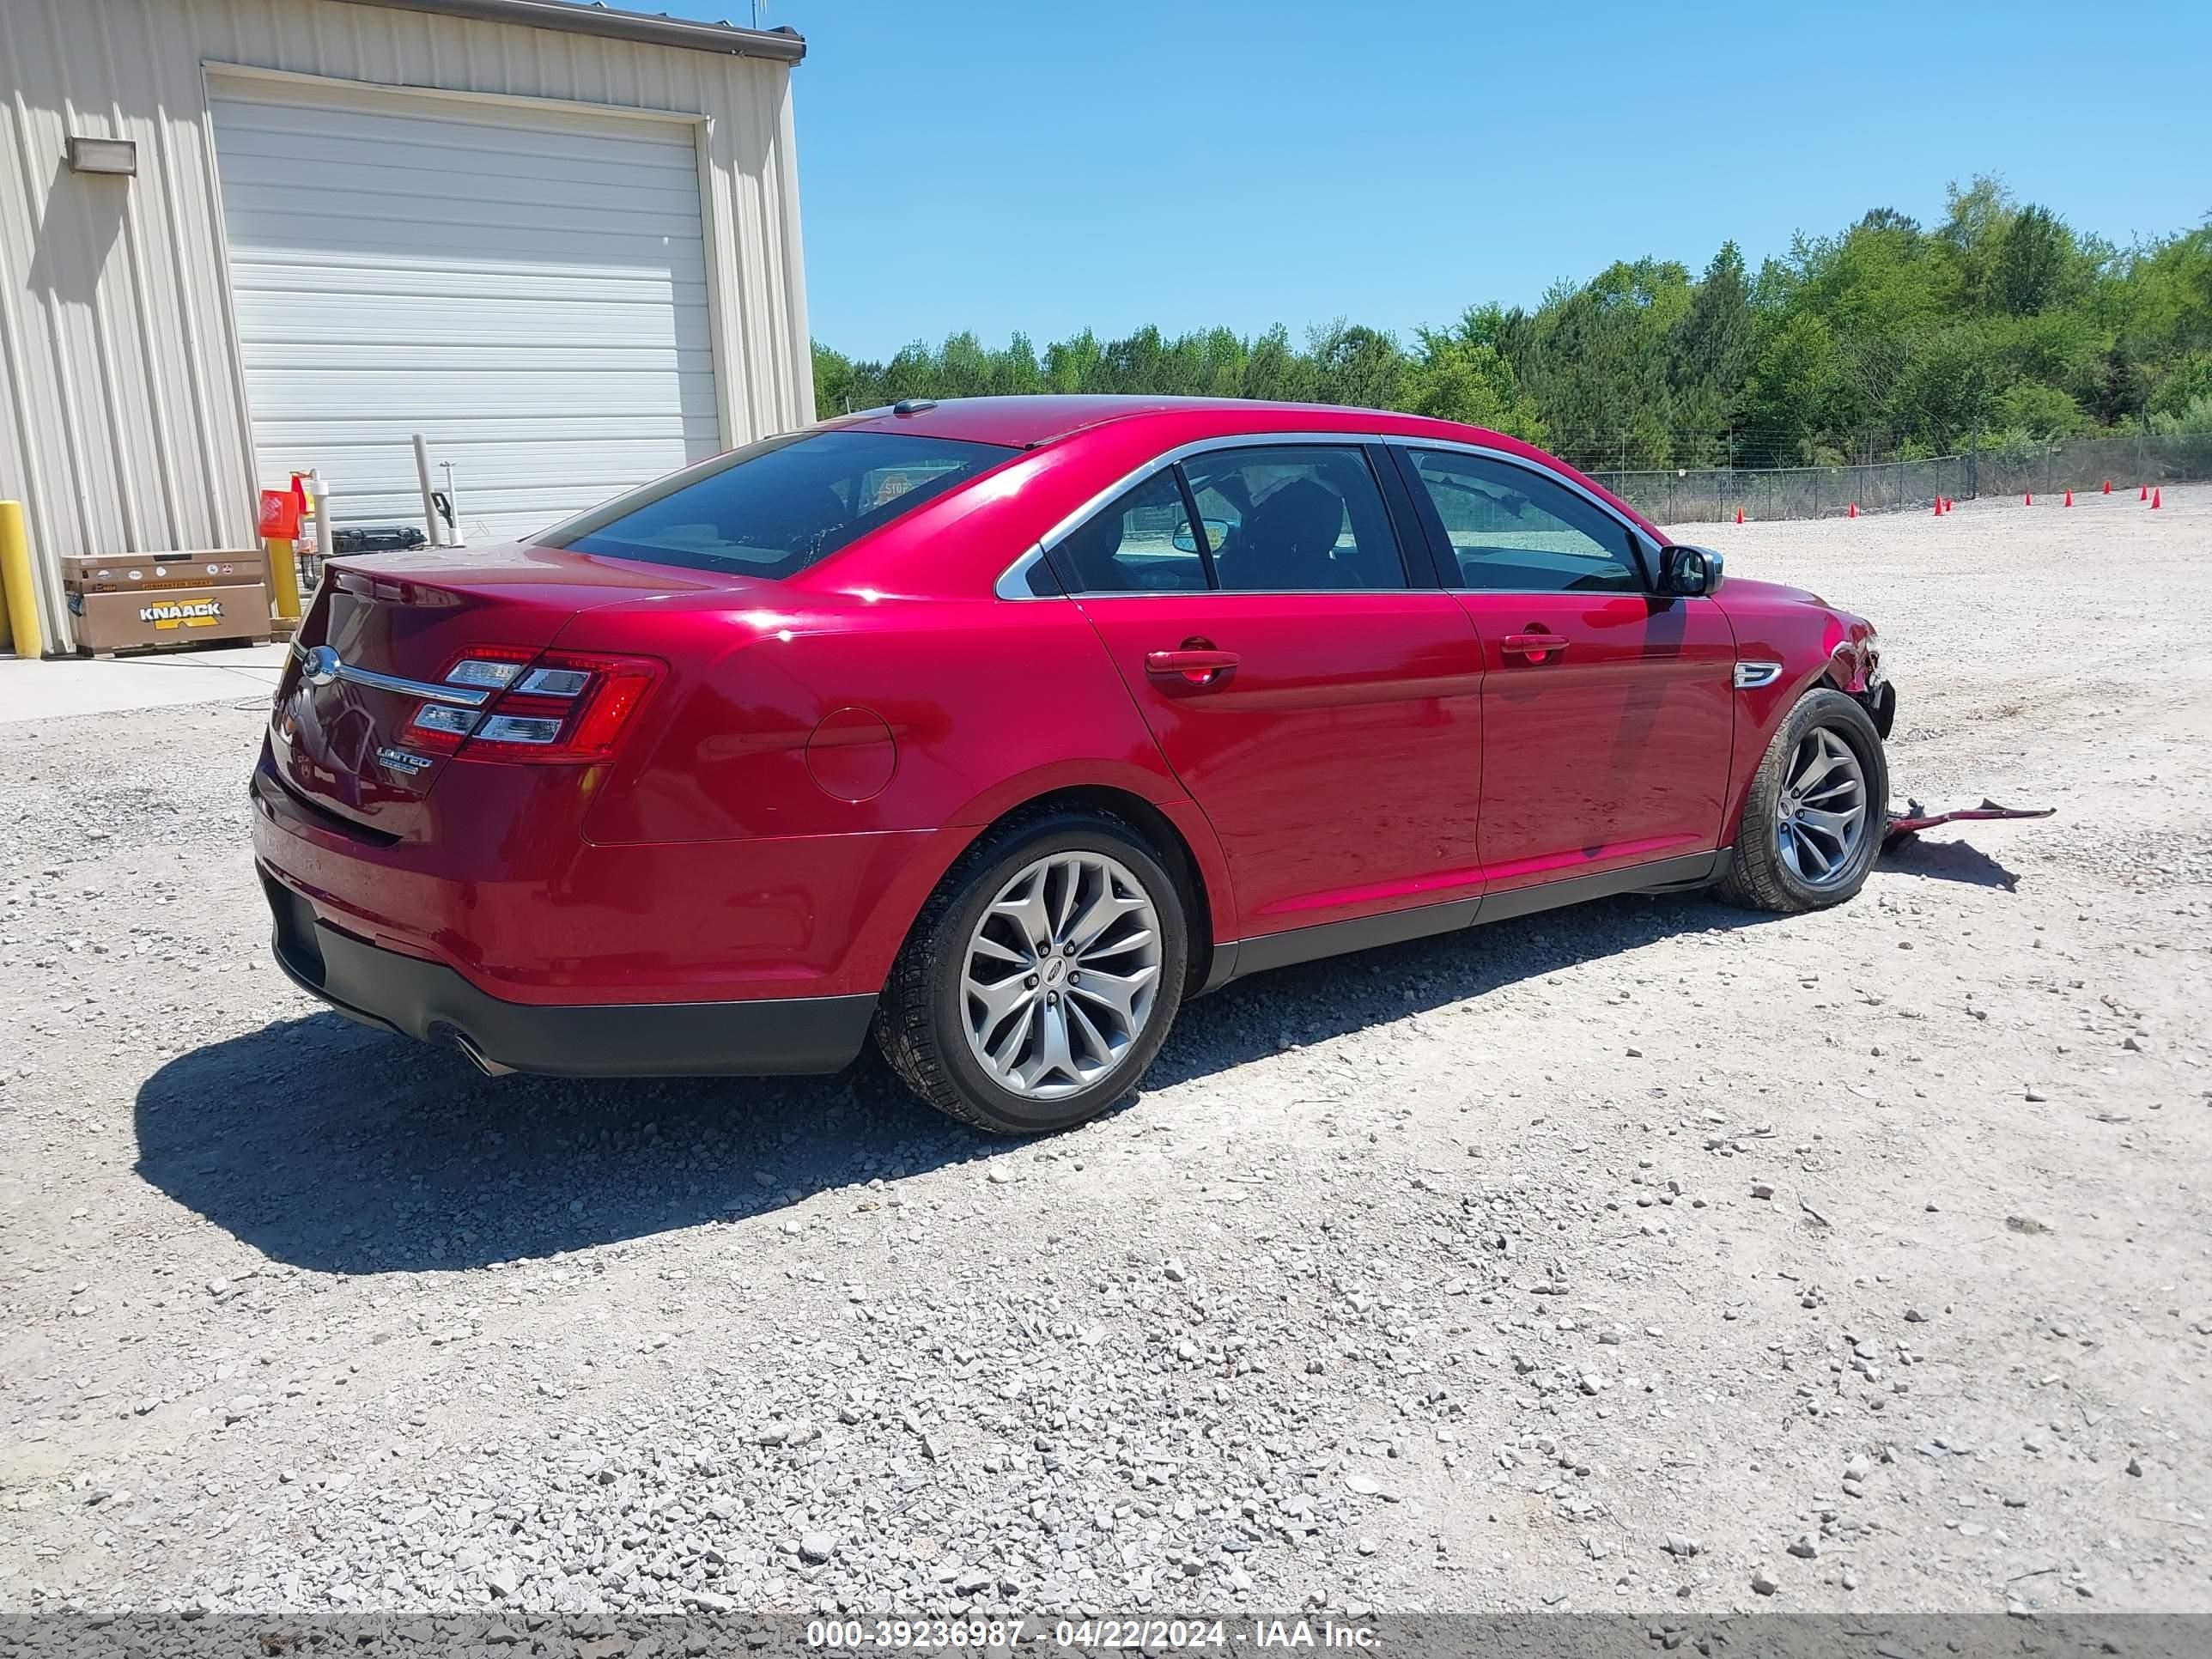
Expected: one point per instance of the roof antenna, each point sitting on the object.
(913, 405)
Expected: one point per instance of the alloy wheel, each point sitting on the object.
(1059, 975)
(1820, 820)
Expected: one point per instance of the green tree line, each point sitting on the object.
(2001, 325)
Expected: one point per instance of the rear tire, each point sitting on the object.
(1007, 1036)
(1794, 850)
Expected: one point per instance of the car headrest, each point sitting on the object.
(1301, 520)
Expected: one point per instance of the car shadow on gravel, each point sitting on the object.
(1318, 1000)
(331, 1146)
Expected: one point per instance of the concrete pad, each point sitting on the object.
(84, 685)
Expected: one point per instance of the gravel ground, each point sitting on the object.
(1644, 1255)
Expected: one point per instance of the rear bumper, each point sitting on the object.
(503, 890)
(430, 1001)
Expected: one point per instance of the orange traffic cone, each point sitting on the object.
(2069, 498)
(2154, 497)
(1939, 507)
(1739, 515)
(2143, 492)
(2027, 498)
(1854, 513)
(2108, 486)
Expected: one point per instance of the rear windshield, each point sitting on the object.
(775, 507)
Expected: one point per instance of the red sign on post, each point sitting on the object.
(282, 511)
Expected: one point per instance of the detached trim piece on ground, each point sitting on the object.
(1916, 817)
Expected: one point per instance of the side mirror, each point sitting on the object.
(1689, 571)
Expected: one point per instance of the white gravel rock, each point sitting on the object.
(1399, 1286)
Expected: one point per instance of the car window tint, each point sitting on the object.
(1139, 543)
(1297, 518)
(775, 507)
(1515, 531)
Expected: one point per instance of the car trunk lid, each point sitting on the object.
(380, 642)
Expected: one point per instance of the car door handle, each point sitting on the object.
(1537, 647)
(1199, 667)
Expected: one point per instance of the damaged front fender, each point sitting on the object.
(1880, 701)
(1855, 668)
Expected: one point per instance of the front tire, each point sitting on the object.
(1041, 979)
(1813, 819)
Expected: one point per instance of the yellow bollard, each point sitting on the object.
(16, 589)
(283, 576)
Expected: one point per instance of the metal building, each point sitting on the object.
(560, 241)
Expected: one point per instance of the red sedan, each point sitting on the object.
(1000, 728)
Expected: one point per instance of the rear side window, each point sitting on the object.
(1295, 518)
(773, 508)
(1139, 543)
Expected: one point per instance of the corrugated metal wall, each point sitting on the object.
(125, 426)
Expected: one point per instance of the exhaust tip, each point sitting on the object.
(476, 1057)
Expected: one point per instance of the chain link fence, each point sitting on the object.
(1716, 494)
(2130, 460)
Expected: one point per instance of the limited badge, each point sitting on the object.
(399, 760)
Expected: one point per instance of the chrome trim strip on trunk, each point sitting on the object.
(355, 675)
(447, 693)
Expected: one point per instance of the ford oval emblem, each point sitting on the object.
(320, 666)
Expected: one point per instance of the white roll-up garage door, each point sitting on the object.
(525, 287)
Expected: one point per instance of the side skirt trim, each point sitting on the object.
(1665, 874)
(1330, 939)
(1244, 957)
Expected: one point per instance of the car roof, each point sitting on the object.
(1027, 421)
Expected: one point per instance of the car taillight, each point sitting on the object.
(561, 706)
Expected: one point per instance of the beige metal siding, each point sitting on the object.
(125, 426)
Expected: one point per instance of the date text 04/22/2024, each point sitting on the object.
(1138, 1635)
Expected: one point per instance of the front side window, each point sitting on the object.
(1295, 518)
(775, 507)
(1514, 531)
(1138, 542)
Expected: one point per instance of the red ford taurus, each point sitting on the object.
(1000, 728)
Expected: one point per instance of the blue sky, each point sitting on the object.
(1046, 167)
